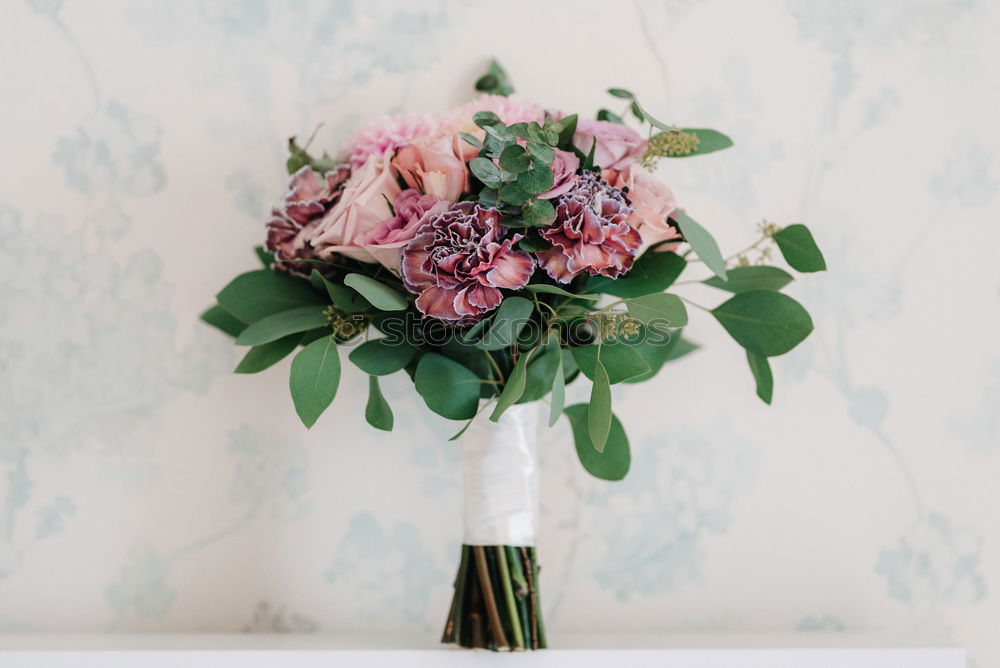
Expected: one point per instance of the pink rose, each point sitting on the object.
(617, 145)
(653, 203)
(385, 241)
(564, 167)
(363, 204)
(435, 165)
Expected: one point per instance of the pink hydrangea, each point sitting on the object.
(459, 260)
(389, 133)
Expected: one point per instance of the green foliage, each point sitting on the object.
(652, 272)
(764, 322)
(379, 357)
(258, 294)
(223, 320)
(621, 361)
(343, 297)
(379, 295)
(799, 249)
(558, 397)
(268, 354)
(599, 411)
(741, 279)
(709, 141)
(657, 308)
(266, 258)
(378, 413)
(555, 290)
(657, 351)
(761, 370)
(514, 387)
(605, 115)
(448, 388)
(314, 379)
(299, 157)
(273, 327)
(495, 81)
(539, 212)
(610, 464)
(506, 324)
(702, 242)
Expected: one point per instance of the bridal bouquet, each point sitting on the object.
(496, 253)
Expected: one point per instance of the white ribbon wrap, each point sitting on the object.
(500, 473)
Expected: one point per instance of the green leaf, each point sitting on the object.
(542, 152)
(539, 212)
(258, 294)
(513, 314)
(599, 413)
(379, 295)
(448, 388)
(644, 115)
(266, 258)
(541, 371)
(566, 128)
(515, 193)
(621, 93)
(651, 273)
(656, 348)
(514, 159)
(223, 320)
(495, 81)
(799, 249)
(661, 309)
(611, 464)
(637, 111)
(621, 361)
(741, 279)
(761, 370)
(558, 399)
(553, 290)
(268, 354)
(764, 322)
(380, 357)
(514, 387)
(702, 242)
(314, 379)
(485, 118)
(537, 180)
(709, 141)
(471, 139)
(605, 115)
(378, 413)
(485, 171)
(278, 325)
(344, 298)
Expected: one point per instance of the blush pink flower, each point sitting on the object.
(388, 134)
(511, 109)
(310, 195)
(385, 241)
(653, 203)
(564, 167)
(435, 165)
(591, 232)
(459, 260)
(364, 203)
(617, 145)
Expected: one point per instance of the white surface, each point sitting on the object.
(688, 651)
(500, 476)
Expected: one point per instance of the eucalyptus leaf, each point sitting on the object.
(599, 411)
(343, 297)
(764, 322)
(379, 295)
(266, 258)
(651, 273)
(621, 93)
(381, 357)
(554, 290)
(702, 242)
(314, 378)
(558, 398)
(514, 387)
(514, 159)
(448, 388)
(611, 464)
(539, 212)
(513, 314)
(761, 370)
(656, 348)
(605, 115)
(741, 279)
(662, 309)
(378, 413)
(538, 179)
(268, 354)
(278, 325)
(622, 361)
(709, 141)
(258, 294)
(799, 249)
(223, 320)
(485, 171)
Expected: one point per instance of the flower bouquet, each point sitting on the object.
(495, 254)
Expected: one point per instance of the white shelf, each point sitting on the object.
(806, 650)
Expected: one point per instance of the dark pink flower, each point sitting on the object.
(310, 195)
(385, 241)
(616, 146)
(564, 166)
(460, 259)
(591, 232)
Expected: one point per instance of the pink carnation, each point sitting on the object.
(389, 133)
(460, 259)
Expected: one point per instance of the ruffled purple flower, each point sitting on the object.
(459, 260)
(310, 195)
(591, 232)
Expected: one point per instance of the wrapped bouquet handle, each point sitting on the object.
(496, 601)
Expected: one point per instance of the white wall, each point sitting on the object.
(144, 487)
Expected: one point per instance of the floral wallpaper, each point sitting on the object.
(143, 487)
